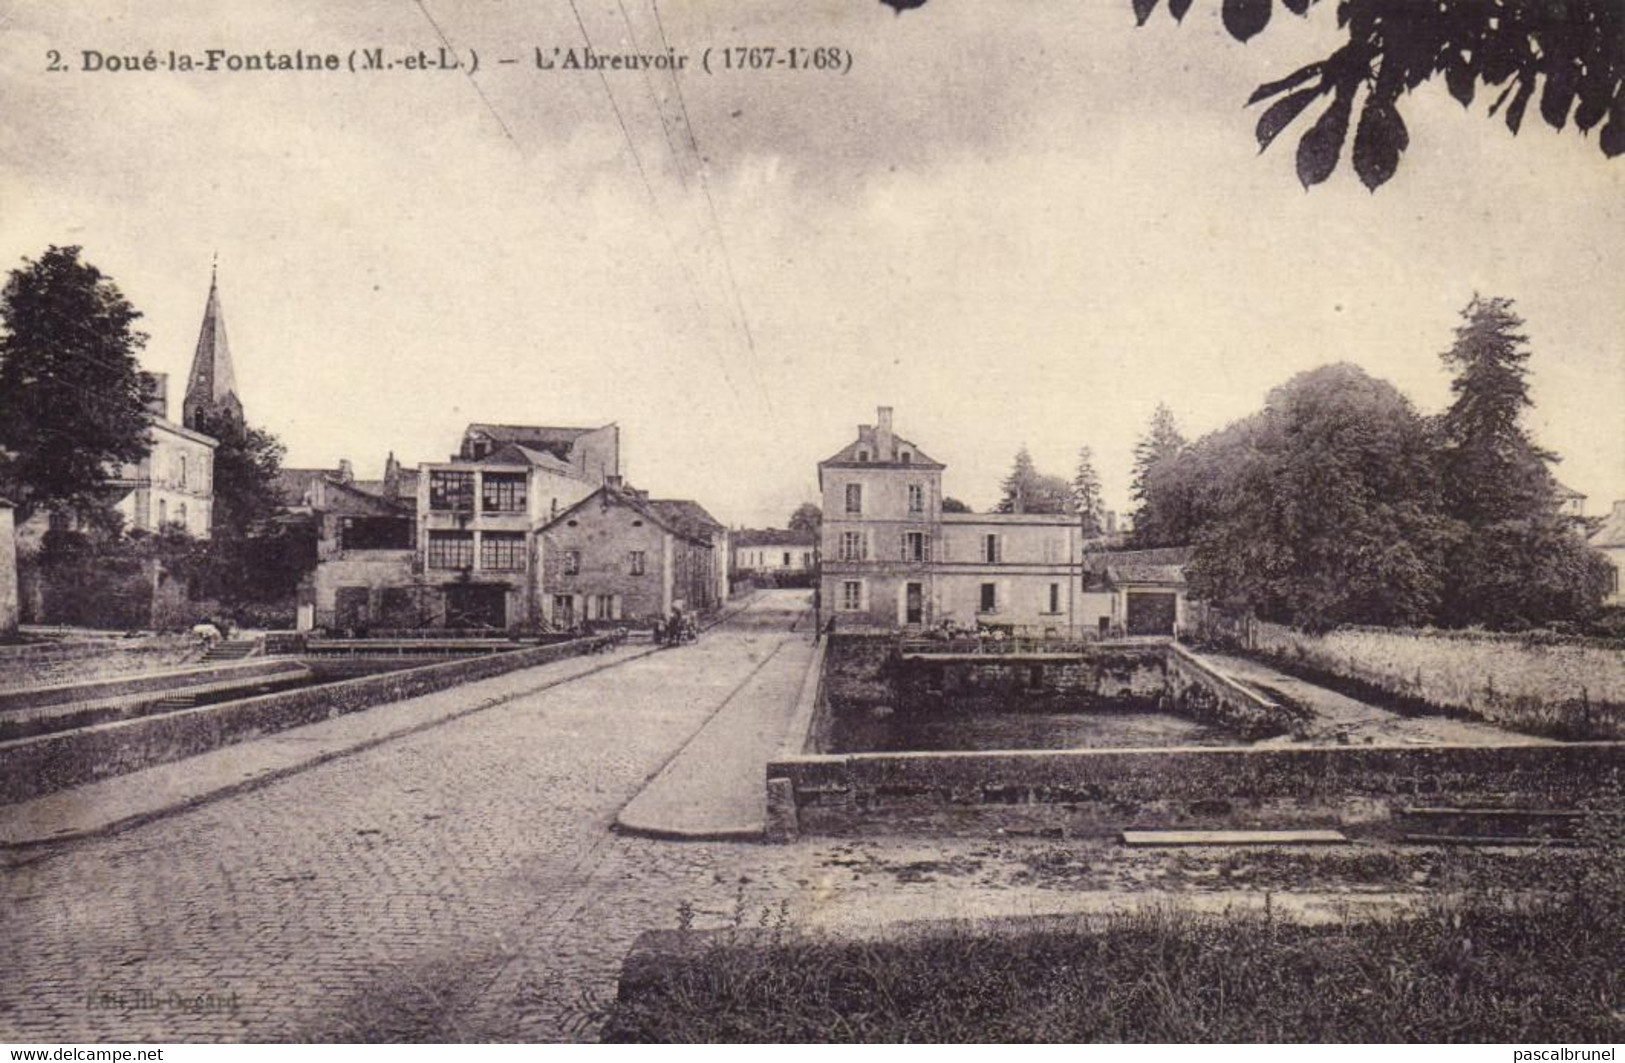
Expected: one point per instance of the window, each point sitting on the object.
(603, 607)
(990, 548)
(916, 498)
(572, 562)
(183, 470)
(503, 492)
(905, 457)
(916, 546)
(163, 512)
(863, 455)
(990, 598)
(1054, 597)
(852, 595)
(451, 549)
(564, 608)
(502, 551)
(180, 514)
(639, 562)
(450, 489)
(854, 546)
(787, 559)
(854, 498)
(375, 533)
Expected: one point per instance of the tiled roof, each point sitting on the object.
(685, 516)
(848, 455)
(773, 537)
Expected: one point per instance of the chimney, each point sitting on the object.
(392, 477)
(886, 451)
(614, 482)
(157, 394)
(346, 472)
(1619, 510)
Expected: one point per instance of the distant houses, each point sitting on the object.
(892, 559)
(775, 556)
(513, 533)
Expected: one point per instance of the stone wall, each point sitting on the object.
(1103, 677)
(1099, 792)
(1198, 690)
(10, 592)
(37, 766)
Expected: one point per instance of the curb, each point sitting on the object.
(752, 833)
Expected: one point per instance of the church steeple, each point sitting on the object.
(211, 389)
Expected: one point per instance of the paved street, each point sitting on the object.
(462, 880)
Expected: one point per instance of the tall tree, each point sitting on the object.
(1019, 486)
(246, 464)
(1086, 499)
(1520, 561)
(1026, 490)
(807, 518)
(1157, 513)
(72, 396)
(1324, 508)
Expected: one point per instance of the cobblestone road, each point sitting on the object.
(459, 882)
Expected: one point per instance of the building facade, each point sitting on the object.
(892, 560)
(620, 556)
(774, 551)
(449, 544)
(173, 485)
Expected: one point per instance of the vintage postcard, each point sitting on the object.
(841, 520)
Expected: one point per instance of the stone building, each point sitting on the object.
(891, 559)
(211, 388)
(173, 485)
(467, 559)
(618, 555)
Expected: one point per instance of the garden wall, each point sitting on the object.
(32, 767)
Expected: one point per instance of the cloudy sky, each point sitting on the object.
(1022, 226)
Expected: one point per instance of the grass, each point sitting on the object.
(1567, 690)
(1541, 960)
(1469, 974)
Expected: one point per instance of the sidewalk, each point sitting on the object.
(128, 800)
(715, 787)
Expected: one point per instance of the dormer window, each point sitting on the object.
(863, 455)
(905, 457)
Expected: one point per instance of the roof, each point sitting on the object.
(678, 516)
(1139, 572)
(1562, 490)
(556, 441)
(773, 537)
(848, 455)
(1611, 534)
(518, 454)
(1071, 519)
(294, 484)
(686, 517)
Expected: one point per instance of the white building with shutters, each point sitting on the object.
(893, 560)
